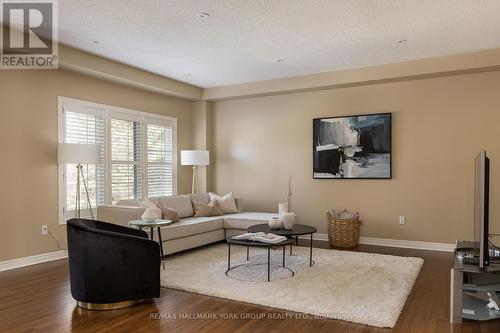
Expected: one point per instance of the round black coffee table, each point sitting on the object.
(249, 243)
(298, 230)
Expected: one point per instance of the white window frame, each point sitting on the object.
(108, 112)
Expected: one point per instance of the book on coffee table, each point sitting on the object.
(260, 237)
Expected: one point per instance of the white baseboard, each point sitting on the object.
(394, 243)
(32, 260)
(408, 244)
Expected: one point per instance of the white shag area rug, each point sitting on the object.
(363, 288)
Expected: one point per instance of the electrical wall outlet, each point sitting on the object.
(45, 230)
(402, 220)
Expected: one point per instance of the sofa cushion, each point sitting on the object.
(244, 220)
(200, 197)
(191, 226)
(180, 203)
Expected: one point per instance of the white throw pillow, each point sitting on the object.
(226, 202)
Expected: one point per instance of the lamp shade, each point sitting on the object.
(75, 153)
(194, 157)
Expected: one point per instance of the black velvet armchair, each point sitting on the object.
(111, 266)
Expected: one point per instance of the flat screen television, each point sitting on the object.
(481, 207)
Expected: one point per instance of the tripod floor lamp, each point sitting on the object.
(79, 154)
(195, 158)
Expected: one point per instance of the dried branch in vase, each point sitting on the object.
(290, 193)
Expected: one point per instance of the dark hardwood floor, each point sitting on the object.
(37, 299)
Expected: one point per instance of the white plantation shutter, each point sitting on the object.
(160, 168)
(126, 159)
(84, 126)
(138, 150)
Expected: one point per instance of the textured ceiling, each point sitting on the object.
(241, 40)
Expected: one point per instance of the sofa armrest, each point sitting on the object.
(119, 214)
(239, 204)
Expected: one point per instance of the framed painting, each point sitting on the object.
(353, 147)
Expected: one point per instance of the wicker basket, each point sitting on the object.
(343, 232)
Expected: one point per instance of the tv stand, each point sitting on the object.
(471, 288)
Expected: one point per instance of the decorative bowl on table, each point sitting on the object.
(275, 223)
(151, 215)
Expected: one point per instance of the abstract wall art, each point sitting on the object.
(350, 147)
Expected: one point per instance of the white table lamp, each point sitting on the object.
(79, 154)
(195, 158)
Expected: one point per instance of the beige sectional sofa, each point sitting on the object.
(189, 231)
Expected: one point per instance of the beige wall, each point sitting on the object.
(439, 125)
(28, 141)
(202, 140)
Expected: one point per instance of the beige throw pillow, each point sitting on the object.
(169, 213)
(210, 209)
(226, 202)
(180, 203)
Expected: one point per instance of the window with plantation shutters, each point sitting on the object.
(86, 126)
(138, 150)
(126, 159)
(159, 147)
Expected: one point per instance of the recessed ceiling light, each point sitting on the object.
(401, 41)
(280, 60)
(203, 15)
(188, 74)
(95, 42)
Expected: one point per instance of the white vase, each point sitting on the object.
(288, 220)
(275, 223)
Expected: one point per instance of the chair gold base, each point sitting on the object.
(108, 306)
